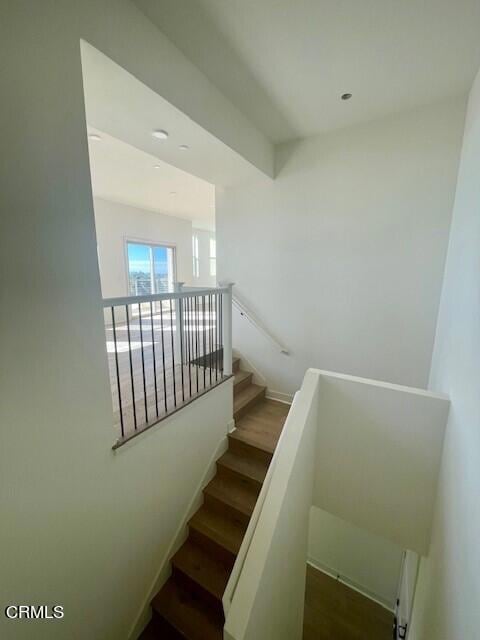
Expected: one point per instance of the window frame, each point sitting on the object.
(152, 244)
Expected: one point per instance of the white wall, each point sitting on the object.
(115, 223)
(269, 599)
(378, 454)
(205, 279)
(81, 526)
(367, 562)
(448, 593)
(342, 256)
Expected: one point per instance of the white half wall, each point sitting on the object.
(268, 602)
(116, 223)
(378, 454)
(448, 593)
(342, 256)
(81, 526)
(367, 562)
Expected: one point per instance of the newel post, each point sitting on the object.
(179, 322)
(227, 328)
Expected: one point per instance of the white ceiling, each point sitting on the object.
(122, 173)
(123, 107)
(285, 63)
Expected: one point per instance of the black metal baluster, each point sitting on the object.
(131, 370)
(122, 428)
(210, 357)
(154, 360)
(143, 362)
(173, 353)
(163, 356)
(181, 306)
(189, 350)
(196, 340)
(216, 338)
(220, 326)
(204, 345)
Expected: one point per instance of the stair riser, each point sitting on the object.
(251, 403)
(227, 508)
(227, 472)
(242, 384)
(243, 448)
(198, 591)
(212, 546)
(163, 630)
(236, 366)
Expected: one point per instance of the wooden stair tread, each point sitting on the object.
(187, 614)
(255, 439)
(240, 495)
(159, 629)
(223, 529)
(203, 568)
(246, 397)
(241, 378)
(243, 464)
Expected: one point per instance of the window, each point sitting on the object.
(196, 260)
(213, 257)
(151, 268)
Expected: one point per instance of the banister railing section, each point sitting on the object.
(164, 351)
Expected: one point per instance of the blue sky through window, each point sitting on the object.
(139, 259)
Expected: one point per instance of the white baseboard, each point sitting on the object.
(279, 396)
(144, 615)
(351, 584)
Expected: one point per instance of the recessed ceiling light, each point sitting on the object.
(346, 96)
(183, 147)
(157, 166)
(94, 136)
(160, 134)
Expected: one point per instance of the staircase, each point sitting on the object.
(189, 605)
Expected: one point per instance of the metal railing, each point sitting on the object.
(246, 313)
(165, 350)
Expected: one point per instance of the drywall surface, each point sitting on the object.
(205, 279)
(342, 256)
(378, 453)
(116, 223)
(447, 599)
(269, 599)
(81, 526)
(367, 562)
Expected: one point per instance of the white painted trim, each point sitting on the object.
(279, 396)
(164, 572)
(351, 584)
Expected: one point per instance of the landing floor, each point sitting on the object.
(333, 611)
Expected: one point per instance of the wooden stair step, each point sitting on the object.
(248, 466)
(246, 398)
(159, 629)
(242, 379)
(244, 438)
(221, 529)
(233, 492)
(202, 568)
(187, 614)
(235, 364)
